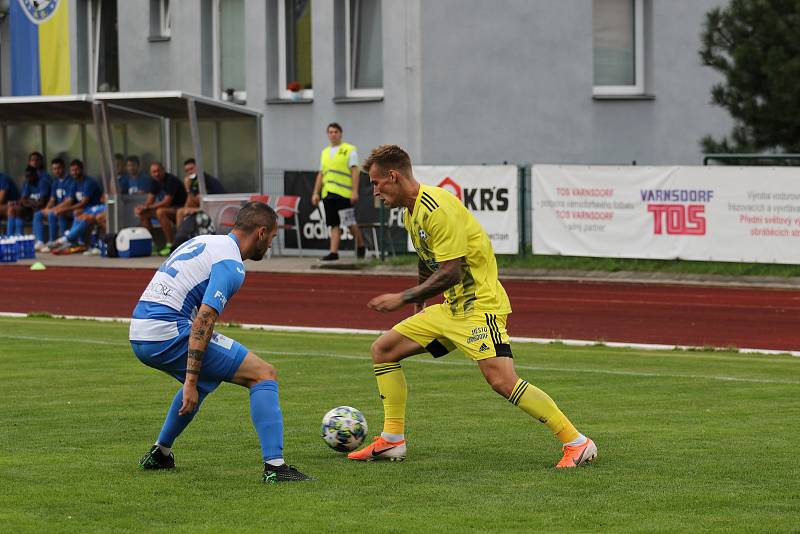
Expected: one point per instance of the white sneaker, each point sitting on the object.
(39, 246)
(92, 252)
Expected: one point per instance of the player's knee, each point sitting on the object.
(500, 383)
(381, 351)
(266, 371)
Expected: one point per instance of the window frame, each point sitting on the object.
(93, 25)
(283, 92)
(240, 95)
(160, 21)
(164, 20)
(637, 88)
(351, 54)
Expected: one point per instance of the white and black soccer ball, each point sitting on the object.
(344, 428)
(204, 224)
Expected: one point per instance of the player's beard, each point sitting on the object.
(259, 252)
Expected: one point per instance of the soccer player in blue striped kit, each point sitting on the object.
(173, 330)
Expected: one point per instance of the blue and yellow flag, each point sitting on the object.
(39, 47)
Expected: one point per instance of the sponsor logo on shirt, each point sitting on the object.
(159, 289)
(219, 295)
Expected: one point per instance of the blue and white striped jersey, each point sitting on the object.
(205, 270)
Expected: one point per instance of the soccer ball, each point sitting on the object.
(344, 428)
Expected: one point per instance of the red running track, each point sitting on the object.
(597, 311)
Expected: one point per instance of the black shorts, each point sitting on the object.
(334, 203)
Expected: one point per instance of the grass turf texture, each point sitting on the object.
(687, 441)
(584, 263)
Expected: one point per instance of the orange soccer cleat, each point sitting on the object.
(380, 449)
(578, 455)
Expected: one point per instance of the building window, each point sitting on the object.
(103, 43)
(618, 47)
(160, 22)
(230, 80)
(294, 48)
(364, 63)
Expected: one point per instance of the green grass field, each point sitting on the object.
(687, 441)
(584, 263)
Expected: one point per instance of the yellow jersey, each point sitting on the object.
(442, 229)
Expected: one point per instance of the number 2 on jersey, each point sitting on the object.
(192, 250)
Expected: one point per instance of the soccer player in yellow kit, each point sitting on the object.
(455, 257)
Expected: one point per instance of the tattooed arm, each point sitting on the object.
(424, 273)
(448, 275)
(202, 328)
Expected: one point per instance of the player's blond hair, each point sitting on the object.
(388, 157)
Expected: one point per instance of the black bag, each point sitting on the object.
(111, 245)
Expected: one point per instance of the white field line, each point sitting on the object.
(540, 340)
(265, 351)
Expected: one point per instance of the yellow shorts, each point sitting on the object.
(480, 335)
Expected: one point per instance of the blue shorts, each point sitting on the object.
(94, 210)
(221, 361)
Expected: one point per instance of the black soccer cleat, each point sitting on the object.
(155, 459)
(283, 473)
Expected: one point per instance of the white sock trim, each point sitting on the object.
(394, 438)
(580, 440)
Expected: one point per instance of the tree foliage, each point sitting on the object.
(755, 45)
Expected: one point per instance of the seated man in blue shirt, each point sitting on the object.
(86, 199)
(35, 194)
(58, 209)
(134, 182)
(9, 195)
(56, 212)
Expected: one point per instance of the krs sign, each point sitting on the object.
(488, 191)
(478, 199)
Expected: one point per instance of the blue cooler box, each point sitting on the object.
(134, 242)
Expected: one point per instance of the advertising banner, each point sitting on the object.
(314, 231)
(744, 214)
(488, 191)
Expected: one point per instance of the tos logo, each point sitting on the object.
(478, 199)
(678, 219)
(678, 211)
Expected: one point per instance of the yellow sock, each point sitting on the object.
(539, 405)
(394, 392)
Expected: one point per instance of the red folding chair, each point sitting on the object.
(288, 207)
(260, 198)
(226, 218)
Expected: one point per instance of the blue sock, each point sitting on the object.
(62, 225)
(265, 411)
(10, 226)
(53, 222)
(38, 226)
(20, 228)
(174, 424)
(76, 232)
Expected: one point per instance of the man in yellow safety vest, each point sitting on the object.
(337, 186)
